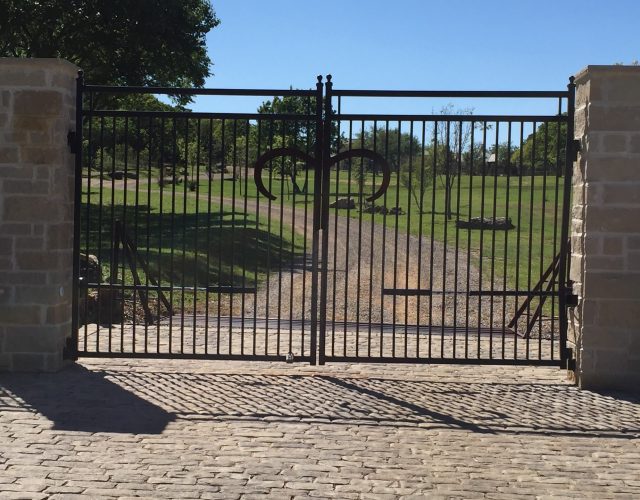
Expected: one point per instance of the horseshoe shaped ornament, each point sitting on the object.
(312, 163)
(277, 153)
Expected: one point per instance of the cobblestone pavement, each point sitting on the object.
(187, 429)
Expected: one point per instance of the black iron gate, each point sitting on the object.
(311, 232)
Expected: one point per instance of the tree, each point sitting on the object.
(452, 138)
(543, 151)
(117, 42)
(300, 134)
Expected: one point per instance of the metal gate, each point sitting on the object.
(311, 232)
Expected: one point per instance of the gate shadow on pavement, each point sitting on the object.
(486, 407)
(145, 402)
(77, 399)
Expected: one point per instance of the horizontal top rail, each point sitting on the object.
(449, 118)
(196, 114)
(535, 94)
(197, 91)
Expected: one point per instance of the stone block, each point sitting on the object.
(612, 285)
(614, 118)
(8, 154)
(21, 314)
(58, 314)
(28, 362)
(620, 314)
(634, 144)
(42, 339)
(612, 219)
(38, 261)
(30, 209)
(37, 102)
(25, 187)
(622, 194)
(612, 245)
(614, 143)
(22, 77)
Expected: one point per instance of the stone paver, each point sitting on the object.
(192, 429)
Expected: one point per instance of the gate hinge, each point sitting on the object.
(576, 148)
(571, 361)
(72, 141)
(70, 350)
(571, 300)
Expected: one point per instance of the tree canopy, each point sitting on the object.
(118, 42)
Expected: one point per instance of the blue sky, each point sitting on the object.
(412, 44)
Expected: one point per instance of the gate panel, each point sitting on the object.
(460, 260)
(192, 244)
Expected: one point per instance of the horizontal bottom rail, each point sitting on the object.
(444, 361)
(207, 357)
(412, 292)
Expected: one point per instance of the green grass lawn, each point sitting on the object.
(530, 202)
(186, 242)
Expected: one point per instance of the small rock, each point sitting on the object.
(496, 224)
(347, 203)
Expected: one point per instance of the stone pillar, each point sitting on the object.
(605, 264)
(37, 111)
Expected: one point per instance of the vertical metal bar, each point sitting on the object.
(123, 228)
(506, 240)
(317, 201)
(114, 243)
(467, 297)
(220, 233)
(196, 234)
(457, 237)
(493, 240)
(556, 201)
(324, 223)
(294, 176)
(255, 269)
(245, 229)
(384, 239)
(148, 242)
(421, 210)
(434, 169)
(345, 304)
(395, 243)
(208, 242)
(481, 246)
(447, 194)
(372, 229)
(542, 229)
(87, 222)
(160, 217)
(334, 292)
(283, 124)
(234, 161)
(530, 245)
(77, 200)
(408, 244)
(563, 273)
(268, 280)
(135, 232)
(184, 232)
(518, 234)
(361, 178)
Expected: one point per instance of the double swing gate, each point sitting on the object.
(311, 231)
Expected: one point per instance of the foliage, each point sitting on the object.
(118, 42)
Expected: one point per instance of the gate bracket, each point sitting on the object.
(577, 147)
(72, 141)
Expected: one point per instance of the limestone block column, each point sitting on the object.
(605, 263)
(37, 111)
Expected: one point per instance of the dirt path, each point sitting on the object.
(364, 259)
